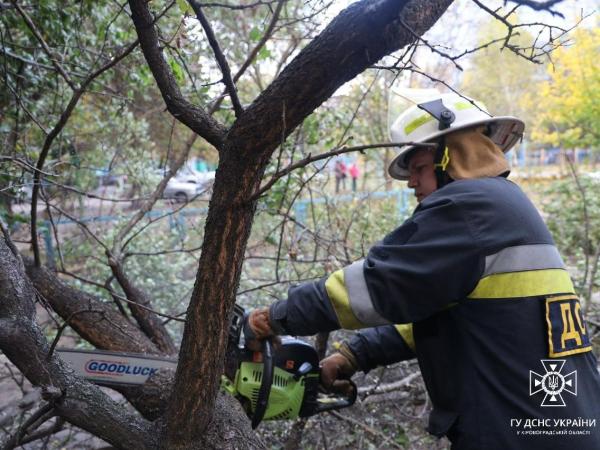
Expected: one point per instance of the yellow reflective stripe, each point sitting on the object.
(463, 105)
(340, 300)
(406, 331)
(416, 123)
(524, 284)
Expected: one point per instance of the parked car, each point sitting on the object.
(182, 190)
(204, 179)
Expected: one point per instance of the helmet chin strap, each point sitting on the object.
(445, 117)
(440, 163)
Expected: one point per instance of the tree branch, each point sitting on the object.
(263, 40)
(212, 40)
(44, 45)
(190, 115)
(103, 327)
(78, 401)
(139, 303)
(335, 152)
(540, 6)
(333, 58)
(64, 117)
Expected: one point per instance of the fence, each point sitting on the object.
(177, 219)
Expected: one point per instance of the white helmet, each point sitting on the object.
(420, 123)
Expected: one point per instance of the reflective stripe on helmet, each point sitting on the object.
(416, 123)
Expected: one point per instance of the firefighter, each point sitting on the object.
(471, 285)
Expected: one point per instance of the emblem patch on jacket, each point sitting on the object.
(567, 333)
(553, 382)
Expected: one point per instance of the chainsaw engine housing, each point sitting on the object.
(295, 380)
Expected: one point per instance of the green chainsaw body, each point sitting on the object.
(286, 396)
(277, 383)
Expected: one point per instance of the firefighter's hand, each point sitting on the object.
(336, 370)
(257, 328)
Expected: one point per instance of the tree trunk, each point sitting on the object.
(330, 60)
(227, 230)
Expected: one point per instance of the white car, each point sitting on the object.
(203, 178)
(182, 190)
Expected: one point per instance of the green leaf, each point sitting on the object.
(264, 53)
(255, 34)
(177, 70)
(185, 7)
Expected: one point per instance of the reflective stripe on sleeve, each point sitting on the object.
(338, 296)
(529, 283)
(360, 300)
(523, 271)
(349, 296)
(406, 331)
(523, 257)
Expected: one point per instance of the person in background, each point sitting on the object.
(354, 174)
(340, 175)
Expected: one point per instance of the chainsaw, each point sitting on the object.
(278, 383)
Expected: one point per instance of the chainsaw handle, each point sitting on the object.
(343, 402)
(265, 384)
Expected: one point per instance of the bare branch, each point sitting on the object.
(64, 117)
(237, 7)
(537, 50)
(190, 115)
(386, 439)
(328, 62)
(139, 305)
(102, 326)
(118, 244)
(23, 342)
(44, 45)
(540, 6)
(212, 40)
(60, 331)
(335, 152)
(263, 40)
(432, 47)
(17, 438)
(385, 388)
(48, 431)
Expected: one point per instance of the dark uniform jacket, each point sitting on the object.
(496, 325)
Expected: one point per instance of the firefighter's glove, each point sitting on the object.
(337, 369)
(257, 328)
